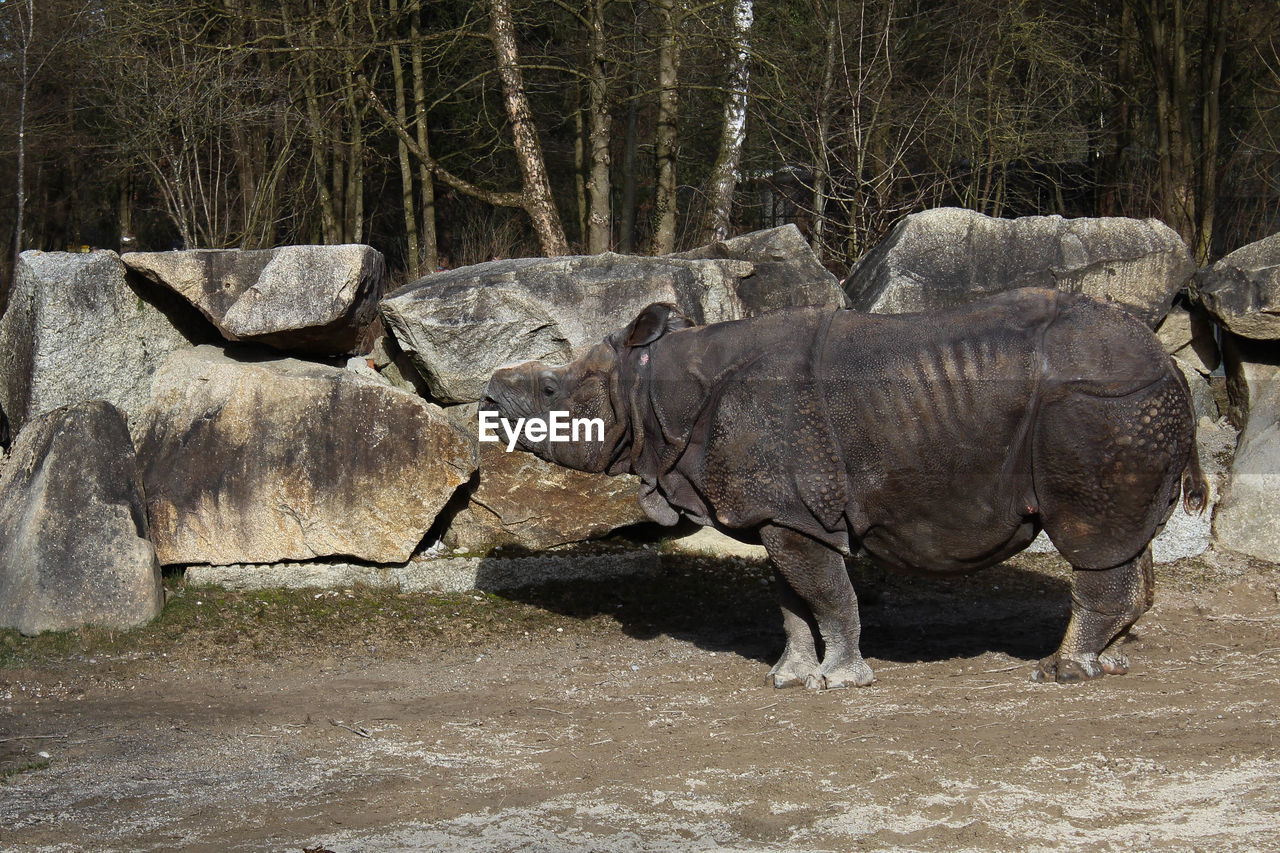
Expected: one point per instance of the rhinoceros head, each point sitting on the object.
(592, 387)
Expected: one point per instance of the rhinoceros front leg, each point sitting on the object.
(814, 582)
(799, 659)
(1104, 605)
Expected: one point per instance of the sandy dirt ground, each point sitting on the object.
(631, 715)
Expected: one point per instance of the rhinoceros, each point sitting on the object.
(939, 442)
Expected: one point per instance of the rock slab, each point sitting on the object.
(520, 500)
(76, 329)
(459, 326)
(949, 256)
(74, 547)
(1242, 290)
(785, 273)
(256, 459)
(1248, 518)
(306, 299)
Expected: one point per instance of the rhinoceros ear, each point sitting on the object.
(654, 322)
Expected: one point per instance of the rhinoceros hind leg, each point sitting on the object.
(1105, 603)
(815, 584)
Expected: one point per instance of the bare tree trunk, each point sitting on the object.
(1211, 58)
(580, 171)
(823, 172)
(1166, 29)
(124, 213)
(26, 36)
(311, 110)
(353, 202)
(1120, 131)
(320, 154)
(724, 173)
(600, 220)
(537, 187)
(663, 240)
(402, 153)
(630, 166)
(430, 249)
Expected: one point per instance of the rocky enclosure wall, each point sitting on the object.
(278, 406)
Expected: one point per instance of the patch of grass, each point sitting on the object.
(209, 621)
(7, 773)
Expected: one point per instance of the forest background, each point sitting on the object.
(455, 131)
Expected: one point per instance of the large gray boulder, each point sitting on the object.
(78, 329)
(785, 270)
(459, 326)
(308, 299)
(949, 256)
(74, 546)
(520, 500)
(1248, 518)
(258, 460)
(1243, 289)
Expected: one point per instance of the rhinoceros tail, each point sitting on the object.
(1195, 488)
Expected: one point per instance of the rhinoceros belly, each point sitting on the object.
(933, 426)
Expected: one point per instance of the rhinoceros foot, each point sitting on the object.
(793, 669)
(854, 673)
(1069, 669)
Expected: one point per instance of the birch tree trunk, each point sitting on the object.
(538, 201)
(665, 147)
(724, 173)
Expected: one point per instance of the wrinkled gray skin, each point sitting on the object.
(937, 442)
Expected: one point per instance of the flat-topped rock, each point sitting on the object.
(1242, 290)
(306, 299)
(461, 325)
(949, 256)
